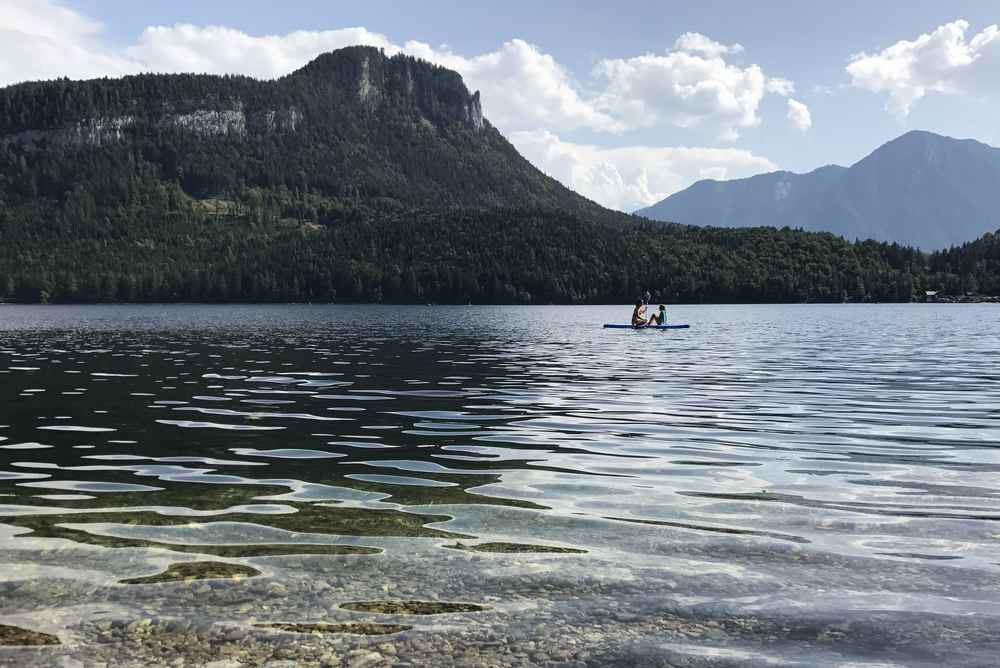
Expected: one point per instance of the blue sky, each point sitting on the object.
(626, 102)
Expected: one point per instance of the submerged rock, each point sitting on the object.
(196, 570)
(412, 607)
(308, 518)
(515, 548)
(356, 628)
(276, 550)
(15, 635)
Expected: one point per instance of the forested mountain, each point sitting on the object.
(353, 125)
(921, 189)
(362, 177)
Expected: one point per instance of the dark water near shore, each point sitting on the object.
(779, 485)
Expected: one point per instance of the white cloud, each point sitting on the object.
(220, 50)
(685, 89)
(523, 87)
(780, 86)
(799, 115)
(631, 177)
(695, 42)
(943, 61)
(42, 40)
(44, 18)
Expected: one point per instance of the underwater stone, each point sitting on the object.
(412, 607)
(356, 628)
(515, 548)
(16, 636)
(197, 570)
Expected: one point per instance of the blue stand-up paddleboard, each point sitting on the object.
(647, 327)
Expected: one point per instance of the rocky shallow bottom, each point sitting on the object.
(459, 608)
(610, 637)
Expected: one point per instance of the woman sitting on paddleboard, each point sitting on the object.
(639, 314)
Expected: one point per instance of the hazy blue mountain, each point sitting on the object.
(920, 189)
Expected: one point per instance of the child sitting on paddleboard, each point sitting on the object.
(639, 316)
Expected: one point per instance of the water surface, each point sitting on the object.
(778, 485)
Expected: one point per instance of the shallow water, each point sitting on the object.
(778, 485)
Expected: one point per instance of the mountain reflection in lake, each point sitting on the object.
(789, 485)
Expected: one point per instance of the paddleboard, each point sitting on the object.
(647, 327)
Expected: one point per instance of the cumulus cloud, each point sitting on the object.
(632, 177)
(686, 87)
(694, 42)
(799, 115)
(40, 39)
(523, 87)
(780, 86)
(944, 61)
(44, 18)
(221, 50)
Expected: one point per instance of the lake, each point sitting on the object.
(374, 485)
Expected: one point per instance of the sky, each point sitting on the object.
(626, 102)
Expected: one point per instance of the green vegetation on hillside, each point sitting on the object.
(164, 246)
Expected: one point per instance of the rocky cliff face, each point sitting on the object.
(438, 94)
(101, 130)
(475, 112)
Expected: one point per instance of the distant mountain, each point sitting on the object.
(920, 189)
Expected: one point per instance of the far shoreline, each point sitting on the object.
(984, 299)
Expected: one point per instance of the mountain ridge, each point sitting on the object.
(351, 123)
(372, 76)
(919, 189)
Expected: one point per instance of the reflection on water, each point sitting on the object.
(796, 484)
